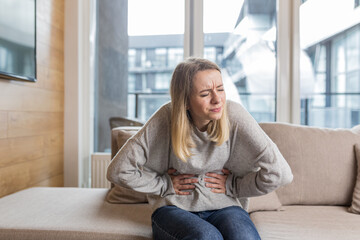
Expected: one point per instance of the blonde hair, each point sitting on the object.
(180, 91)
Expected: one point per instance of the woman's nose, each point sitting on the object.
(215, 98)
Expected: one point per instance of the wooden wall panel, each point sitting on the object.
(44, 168)
(16, 97)
(54, 144)
(51, 182)
(54, 80)
(32, 113)
(29, 173)
(23, 149)
(14, 178)
(51, 12)
(3, 124)
(55, 39)
(34, 123)
(18, 150)
(50, 57)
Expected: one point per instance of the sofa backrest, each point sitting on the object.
(322, 161)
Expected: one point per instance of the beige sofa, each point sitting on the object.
(314, 206)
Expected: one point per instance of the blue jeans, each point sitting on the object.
(231, 223)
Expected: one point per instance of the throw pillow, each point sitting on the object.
(268, 202)
(118, 194)
(355, 205)
(123, 136)
(356, 129)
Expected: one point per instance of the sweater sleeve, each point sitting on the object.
(142, 163)
(256, 163)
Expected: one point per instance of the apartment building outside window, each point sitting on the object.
(331, 39)
(151, 67)
(246, 52)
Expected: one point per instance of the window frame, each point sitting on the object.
(288, 53)
(78, 92)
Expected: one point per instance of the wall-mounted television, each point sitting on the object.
(18, 40)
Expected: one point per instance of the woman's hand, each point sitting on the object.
(182, 182)
(217, 181)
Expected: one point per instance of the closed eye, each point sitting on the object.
(220, 87)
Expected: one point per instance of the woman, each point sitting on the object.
(199, 158)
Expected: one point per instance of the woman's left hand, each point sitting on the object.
(217, 182)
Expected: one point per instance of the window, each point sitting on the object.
(138, 44)
(243, 44)
(329, 39)
(156, 36)
(330, 64)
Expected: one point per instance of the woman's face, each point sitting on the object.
(207, 98)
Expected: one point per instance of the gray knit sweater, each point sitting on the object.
(257, 167)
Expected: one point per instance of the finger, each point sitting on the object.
(188, 181)
(214, 175)
(212, 180)
(226, 171)
(182, 176)
(178, 184)
(210, 185)
(171, 171)
(182, 193)
(215, 190)
(181, 180)
(186, 187)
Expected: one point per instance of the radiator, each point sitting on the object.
(99, 164)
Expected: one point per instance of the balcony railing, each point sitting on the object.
(159, 96)
(333, 110)
(319, 109)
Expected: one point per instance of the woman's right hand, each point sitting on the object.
(182, 182)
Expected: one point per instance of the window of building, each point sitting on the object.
(134, 68)
(138, 44)
(330, 64)
(244, 43)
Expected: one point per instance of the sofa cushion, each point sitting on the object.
(268, 202)
(356, 129)
(71, 213)
(307, 222)
(119, 136)
(322, 161)
(124, 135)
(355, 205)
(118, 194)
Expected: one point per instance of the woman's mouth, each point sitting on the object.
(216, 109)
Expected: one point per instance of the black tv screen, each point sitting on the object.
(18, 39)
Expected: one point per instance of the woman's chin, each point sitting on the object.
(216, 116)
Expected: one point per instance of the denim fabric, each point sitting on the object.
(230, 223)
